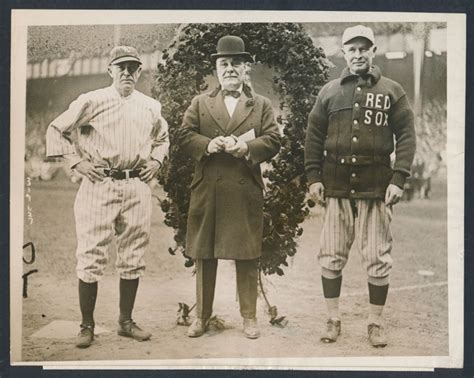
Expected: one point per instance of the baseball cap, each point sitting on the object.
(358, 31)
(121, 54)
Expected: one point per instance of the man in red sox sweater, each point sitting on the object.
(349, 140)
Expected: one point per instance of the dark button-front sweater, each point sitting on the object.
(356, 123)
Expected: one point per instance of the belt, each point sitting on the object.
(358, 159)
(122, 174)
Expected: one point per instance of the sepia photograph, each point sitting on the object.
(237, 189)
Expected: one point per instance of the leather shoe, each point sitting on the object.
(85, 336)
(376, 335)
(333, 330)
(129, 328)
(251, 328)
(197, 328)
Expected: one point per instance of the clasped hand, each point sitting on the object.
(229, 144)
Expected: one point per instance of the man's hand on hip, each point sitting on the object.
(90, 171)
(393, 194)
(316, 192)
(149, 170)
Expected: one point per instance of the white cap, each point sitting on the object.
(358, 31)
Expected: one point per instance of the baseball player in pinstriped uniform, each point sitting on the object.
(116, 138)
(349, 140)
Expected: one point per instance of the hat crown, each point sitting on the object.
(358, 31)
(123, 54)
(230, 44)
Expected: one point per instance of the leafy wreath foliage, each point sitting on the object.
(300, 71)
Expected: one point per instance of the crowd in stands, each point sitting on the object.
(37, 165)
(78, 41)
(430, 157)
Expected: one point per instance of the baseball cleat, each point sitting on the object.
(333, 330)
(85, 336)
(129, 328)
(376, 335)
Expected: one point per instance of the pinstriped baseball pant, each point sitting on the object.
(120, 208)
(371, 226)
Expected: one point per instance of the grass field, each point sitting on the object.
(416, 312)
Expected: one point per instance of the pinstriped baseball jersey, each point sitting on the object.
(118, 133)
(114, 131)
(371, 226)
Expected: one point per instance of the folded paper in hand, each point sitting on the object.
(248, 136)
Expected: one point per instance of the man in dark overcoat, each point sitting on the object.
(228, 133)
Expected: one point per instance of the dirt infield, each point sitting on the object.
(416, 313)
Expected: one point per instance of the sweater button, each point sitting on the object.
(343, 161)
(353, 174)
(354, 139)
(358, 89)
(352, 191)
(355, 122)
(356, 104)
(353, 159)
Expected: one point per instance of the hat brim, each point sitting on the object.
(126, 59)
(244, 55)
(358, 36)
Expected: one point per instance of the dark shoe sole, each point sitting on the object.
(126, 334)
(195, 334)
(83, 346)
(327, 340)
(252, 337)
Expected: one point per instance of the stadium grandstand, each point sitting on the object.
(65, 61)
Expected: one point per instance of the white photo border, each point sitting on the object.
(456, 83)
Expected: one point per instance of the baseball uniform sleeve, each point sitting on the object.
(403, 126)
(315, 137)
(59, 133)
(160, 138)
(191, 141)
(72, 159)
(267, 144)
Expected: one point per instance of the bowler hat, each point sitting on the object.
(231, 45)
(121, 54)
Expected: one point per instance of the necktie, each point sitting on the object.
(235, 94)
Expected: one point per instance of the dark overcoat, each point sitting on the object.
(225, 218)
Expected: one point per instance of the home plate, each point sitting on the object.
(63, 329)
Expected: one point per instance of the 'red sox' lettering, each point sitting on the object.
(377, 101)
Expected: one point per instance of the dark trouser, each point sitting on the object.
(247, 278)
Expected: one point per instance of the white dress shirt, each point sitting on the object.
(231, 102)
